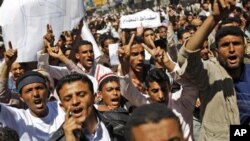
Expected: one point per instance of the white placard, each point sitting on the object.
(113, 54)
(145, 18)
(24, 22)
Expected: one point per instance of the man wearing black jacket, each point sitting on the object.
(82, 120)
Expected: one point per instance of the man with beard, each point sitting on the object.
(215, 77)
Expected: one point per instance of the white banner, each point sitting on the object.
(145, 18)
(24, 22)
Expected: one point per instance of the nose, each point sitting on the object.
(36, 93)
(75, 101)
(231, 48)
(161, 96)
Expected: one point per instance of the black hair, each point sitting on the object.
(190, 27)
(156, 75)
(73, 78)
(180, 33)
(149, 113)
(106, 80)
(8, 134)
(229, 20)
(105, 37)
(228, 30)
(147, 29)
(81, 43)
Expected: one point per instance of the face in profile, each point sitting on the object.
(164, 130)
(78, 97)
(158, 91)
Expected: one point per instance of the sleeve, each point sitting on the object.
(55, 71)
(130, 92)
(10, 116)
(193, 68)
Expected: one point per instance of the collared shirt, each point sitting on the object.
(101, 133)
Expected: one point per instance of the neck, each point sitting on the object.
(136, 75)
(91, 122)
(235, 74)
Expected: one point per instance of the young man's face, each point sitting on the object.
(158, 91)
(105, 48)
(164, 130)
(35, 96)
(230, 51)
(111, 94)
(86, 56)
(163, 32)
(148, 34)
(137, 57)
(78, 97)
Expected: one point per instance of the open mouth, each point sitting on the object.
(77, 112)
(115, 101)
(232, 59)
(38, 103)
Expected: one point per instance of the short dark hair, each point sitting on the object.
(156, 75)
(8, 134)
(108, 79)
(81, 43)
(154, 112)
(229, 20)
(105, 37)
(228, 30)
(180, 33)
(73, 78)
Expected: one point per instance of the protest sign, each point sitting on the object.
(113, 55)
(145, 18)
(24, 22)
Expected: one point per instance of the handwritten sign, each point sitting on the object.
(145, 18)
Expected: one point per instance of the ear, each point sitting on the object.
(77, 55)
(99, 95)
(21, 98)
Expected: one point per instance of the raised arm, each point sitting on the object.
(5, 94)
(221, 8)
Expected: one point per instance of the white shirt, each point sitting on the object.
(30, 128)
(101, 133)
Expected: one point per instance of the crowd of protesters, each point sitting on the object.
(187, 79)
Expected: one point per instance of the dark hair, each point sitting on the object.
(105, 37)
(106, 80)
(190, 27)
(180, 33)
(156, 75)
(228, 30)
(73, 78)
(149, 113)
(81, 43)
(8, 134)
(147, 29)
(229, 20)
